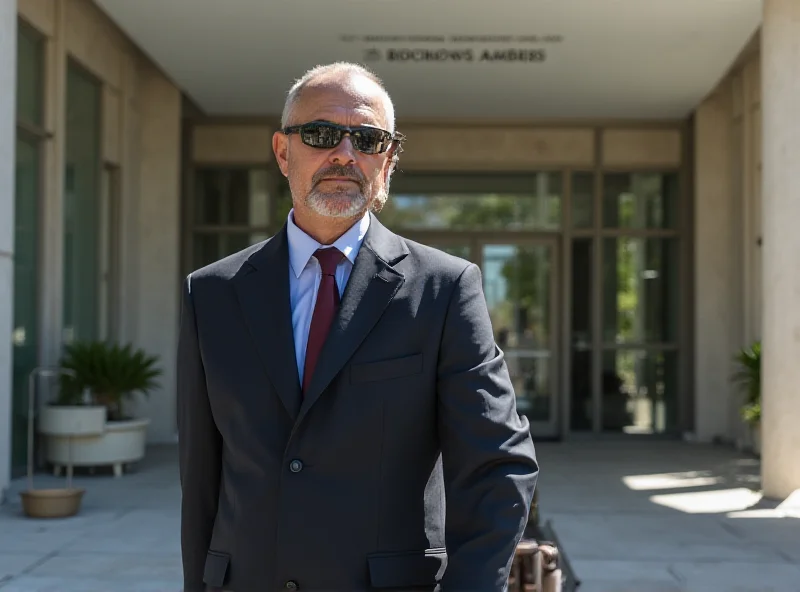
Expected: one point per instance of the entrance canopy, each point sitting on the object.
(451, 58)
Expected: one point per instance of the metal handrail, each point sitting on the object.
(41, 371)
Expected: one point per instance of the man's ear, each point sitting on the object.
(391, 164)
(280, 147)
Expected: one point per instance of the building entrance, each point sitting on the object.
(582, 273)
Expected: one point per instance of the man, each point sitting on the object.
(340, 386)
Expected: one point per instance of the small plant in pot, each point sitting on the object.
(91, 404)
(111, 373)
(748, 377)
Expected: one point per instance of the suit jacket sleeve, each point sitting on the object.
(199, 445)
(488, 458)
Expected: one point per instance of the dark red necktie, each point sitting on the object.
(324, 310)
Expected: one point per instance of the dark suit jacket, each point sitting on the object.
(344, 488)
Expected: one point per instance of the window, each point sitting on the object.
(640, 200)
(640, 297)
(82, 207)
(27, 205)
(231, 211)
(109, 254)
(640, 281)
(30, 76)
(583, 200)
(486, 202)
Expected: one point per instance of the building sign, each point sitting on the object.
(457, 55)
(520, 49)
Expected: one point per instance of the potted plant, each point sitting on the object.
(89, 413)
(748, 377)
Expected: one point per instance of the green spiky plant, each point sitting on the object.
(112, 373)
(748, 377)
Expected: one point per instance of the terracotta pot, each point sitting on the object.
(51, 503)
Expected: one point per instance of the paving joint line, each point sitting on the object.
(671, 570)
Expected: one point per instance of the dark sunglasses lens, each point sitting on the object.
(368, 140)
(365, 139)
(321, 135)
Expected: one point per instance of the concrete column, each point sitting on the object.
(716, 337)
(780, 103)
(158, 228)
(8, 115)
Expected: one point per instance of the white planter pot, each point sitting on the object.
(116, 443)
(77, 420)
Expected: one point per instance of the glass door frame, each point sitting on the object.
(556, 425)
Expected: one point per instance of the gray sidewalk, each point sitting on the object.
(655, 517)
(667, 517)
(125, 539)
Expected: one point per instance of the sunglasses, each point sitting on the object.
(326, 135)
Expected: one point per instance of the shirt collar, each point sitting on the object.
(302, 246)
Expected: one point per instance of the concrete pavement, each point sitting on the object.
(126, 538)
(632, 517)
(667, 517)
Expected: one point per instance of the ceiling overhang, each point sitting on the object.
(528, 59)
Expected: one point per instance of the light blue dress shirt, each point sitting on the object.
(305, 274)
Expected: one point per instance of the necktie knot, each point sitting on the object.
(328, 260)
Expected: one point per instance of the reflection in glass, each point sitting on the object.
(530, 375)
(639, 391)
(232, 197)
(82, 207)
(535, 206)
(582, 409)
(517, 289)
(30, 79)
(109, 253)
(640, 290)
(583, 200)
(640, 200)
(213, 246)
(24, 336)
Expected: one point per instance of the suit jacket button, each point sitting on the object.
(291, 585)
(295, 467)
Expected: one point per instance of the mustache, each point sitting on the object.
(338, 170)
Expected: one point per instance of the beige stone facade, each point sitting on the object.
(728, 231)
(141, 145)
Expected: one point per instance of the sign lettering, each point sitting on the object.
(416, 55)
(455, 48)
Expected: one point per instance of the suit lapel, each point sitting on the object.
(372, 285)
(263, 293)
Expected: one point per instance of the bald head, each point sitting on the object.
(340, 76)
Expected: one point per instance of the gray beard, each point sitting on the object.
(338, 204)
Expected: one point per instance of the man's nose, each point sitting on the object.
(344, 153)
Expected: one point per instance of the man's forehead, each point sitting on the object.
(346, 82)
(351, 96)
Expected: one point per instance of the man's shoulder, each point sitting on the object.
(230, 266)
(434, 261)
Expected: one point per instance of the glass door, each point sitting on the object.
(520, 281)
(26, 292)
(27, 185)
